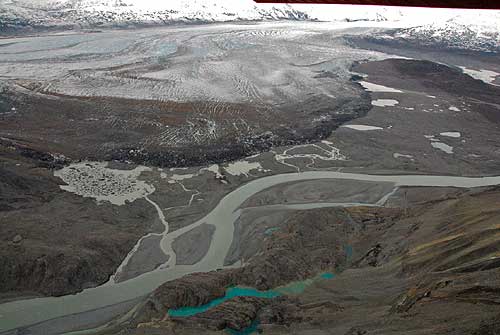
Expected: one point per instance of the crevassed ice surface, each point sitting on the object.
(268, 63)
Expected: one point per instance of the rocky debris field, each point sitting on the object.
(412, 269)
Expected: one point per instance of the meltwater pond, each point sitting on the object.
(327, 275)
(232, 292)
(236, 291)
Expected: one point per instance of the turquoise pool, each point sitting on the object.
(270, 231)
(232, 292)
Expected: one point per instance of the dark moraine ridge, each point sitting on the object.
(104, 128)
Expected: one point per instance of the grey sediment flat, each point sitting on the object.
(319, 190)
(192, 246)
(80, 321)
(147, 258)
(26, 312)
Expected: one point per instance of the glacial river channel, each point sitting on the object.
(31, 311)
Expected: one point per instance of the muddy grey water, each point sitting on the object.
(28, 312)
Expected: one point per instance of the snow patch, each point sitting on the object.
(243, 168)
(214, 169)
(486, 76)
(398, 155)
(454, 134)
(465, 29)
(361, 127)
(370, 87)
(440, 145)
(431, 138)
(443, 147)
(385, 102)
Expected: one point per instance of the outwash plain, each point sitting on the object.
(346, 185)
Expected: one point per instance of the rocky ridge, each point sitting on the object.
(407, 265)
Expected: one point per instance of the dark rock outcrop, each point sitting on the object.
(193, 290)
(413, 271)
(236, 314)
(139, 139)
(312, 242)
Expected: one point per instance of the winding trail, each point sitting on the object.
(27, 312)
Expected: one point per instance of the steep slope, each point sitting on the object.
(473, 30)
(413, 271)
(455, 29)
(19, 15)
